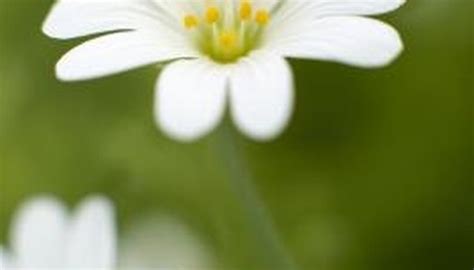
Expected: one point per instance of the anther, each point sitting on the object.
(212, 15)
(190, 21)
(262, 17)
(245, 10)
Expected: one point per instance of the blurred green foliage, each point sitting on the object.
(374, 172)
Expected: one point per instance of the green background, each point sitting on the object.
(374, 171)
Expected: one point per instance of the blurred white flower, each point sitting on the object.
(44, 236)
(221, 49)
(163, 242)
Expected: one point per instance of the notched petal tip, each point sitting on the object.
(266, 136)
(190, 99)
(265, 132)
(352, 40)
(173, 133)
(262, 96)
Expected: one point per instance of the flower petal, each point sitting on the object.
(38, 234)
(177, 9)
(357, 41)
(73, 18)
(92, 239)
(265, 4)
(119, 52)
(164, 242)
(323, 8)
(190, 98)
(261, 95)
(4, 260)
(355, 7)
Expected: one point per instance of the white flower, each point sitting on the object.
(44, 236)
(221, 50)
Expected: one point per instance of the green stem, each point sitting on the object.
(261, 224)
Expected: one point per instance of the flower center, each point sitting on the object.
(226, 32)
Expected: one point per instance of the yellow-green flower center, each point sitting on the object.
(227, 33)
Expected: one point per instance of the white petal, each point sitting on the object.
(38, 234)
(295, 9)
(263, 4)
(164, 242)
(178, 9)
(75, 18)
(358, 41)
(120, 52)
(355, 7)
(5, 263)
(190, 98)
(92, 238)
(261, 95)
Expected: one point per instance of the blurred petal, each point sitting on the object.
(38, 234)
(92, 236)
(190, 98)
(357, 41)
(4, 260)
(265, 4)
(164, 242)
(75, 18)
(120, 52)
(261, 95)
(178, 9)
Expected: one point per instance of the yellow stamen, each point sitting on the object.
(228, 40)
(262, 17)
(190, 21)
(245, 10)
(212, 15)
